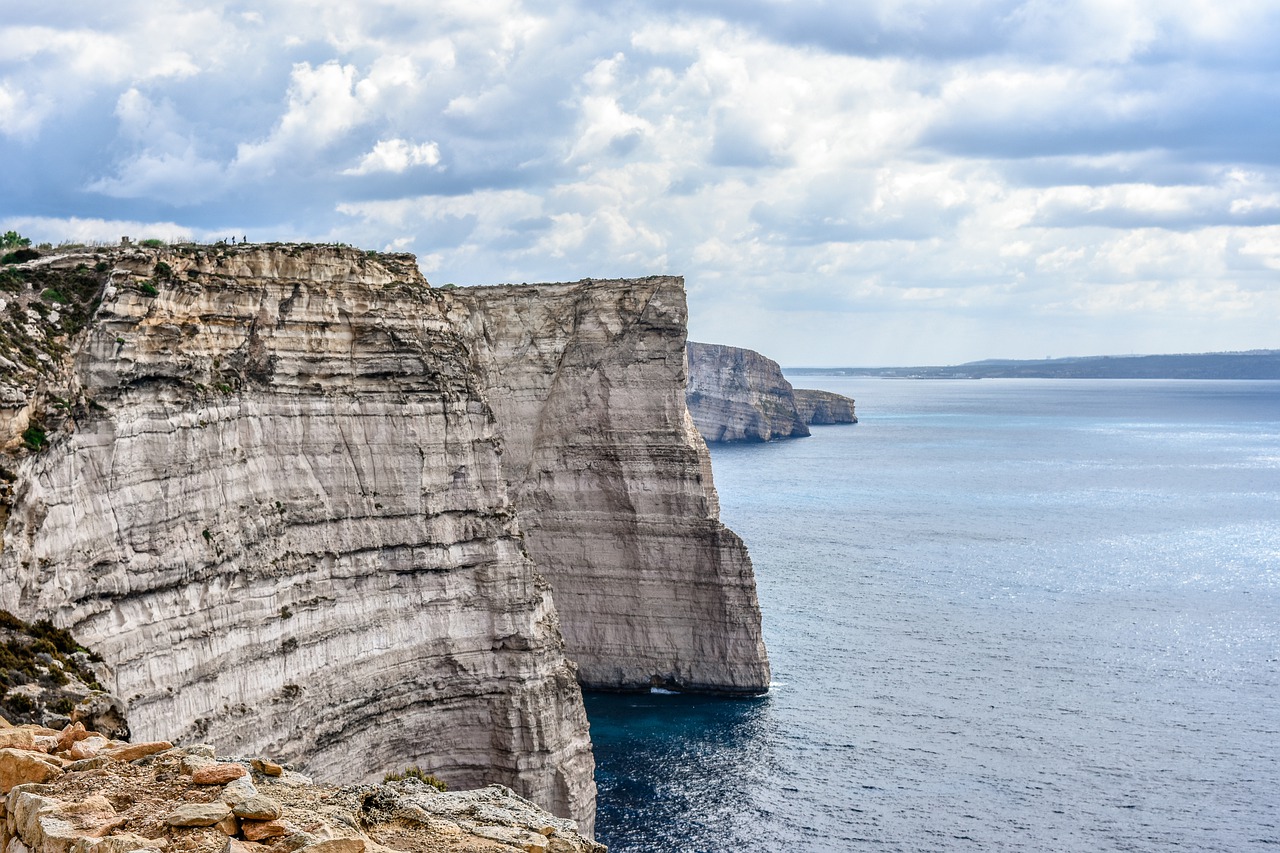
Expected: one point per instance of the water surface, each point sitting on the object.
(1002, 615)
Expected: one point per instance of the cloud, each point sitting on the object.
(396, 155)
(324, 103)
(1020, 168)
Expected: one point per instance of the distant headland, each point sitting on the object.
(1253, 364)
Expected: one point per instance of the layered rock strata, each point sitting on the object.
(737, 394)
(269, 485)
(269, 492)
(614, 482)
(818, 408)
(73, 791)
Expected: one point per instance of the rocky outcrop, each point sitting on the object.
(824, 407)
(737, 394)
(269, 492)
(80, 796)
(614, 483)
(48, 678)
(307, 506)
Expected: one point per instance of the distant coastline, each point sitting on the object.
(1253, 364)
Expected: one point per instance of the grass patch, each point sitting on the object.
(418, 773)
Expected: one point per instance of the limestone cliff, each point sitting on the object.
(737, 394)
(614, 483)
(268, 490)
(268, 484)
(824, 407)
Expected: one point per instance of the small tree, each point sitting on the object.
(14, 240)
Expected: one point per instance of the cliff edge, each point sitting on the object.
(268, 490)
(306, 505)
(613, 482)
(737, 394)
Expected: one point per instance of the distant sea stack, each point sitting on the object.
(737, 394)
(306, 505)
(824, 407)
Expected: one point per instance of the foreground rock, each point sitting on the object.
(50, 804)
(736, 394)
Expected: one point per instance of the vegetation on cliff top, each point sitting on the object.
(42, 669)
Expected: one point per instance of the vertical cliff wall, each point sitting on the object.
(824, 407)
(614, 483)
(737, 394)
(268, 490)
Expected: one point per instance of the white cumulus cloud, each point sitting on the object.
(396, 155)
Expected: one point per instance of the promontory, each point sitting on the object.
(306, 505)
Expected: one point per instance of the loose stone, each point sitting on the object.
(257, 830)
(198, 814)
(217, 774)
(134, 751)
(258, 808)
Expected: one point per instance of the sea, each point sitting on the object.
(1037, 615)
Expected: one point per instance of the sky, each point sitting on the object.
(840, 183)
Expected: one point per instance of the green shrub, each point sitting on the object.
(21, 256)
(416, 772)
(34, 436)
(14, 240)
(151, 243)
(53, 296)
(163, 270)
(149, 289)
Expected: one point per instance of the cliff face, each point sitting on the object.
(824, 407)
(737, 394)
(277, 489)
(270, 494)
(614, 483)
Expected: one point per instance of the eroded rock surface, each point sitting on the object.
(614, 483)
(737, 394)
(824, 407)
(276, 487)
(270, 495)
(157, 800)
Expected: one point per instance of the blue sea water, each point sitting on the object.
(1002, 615)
